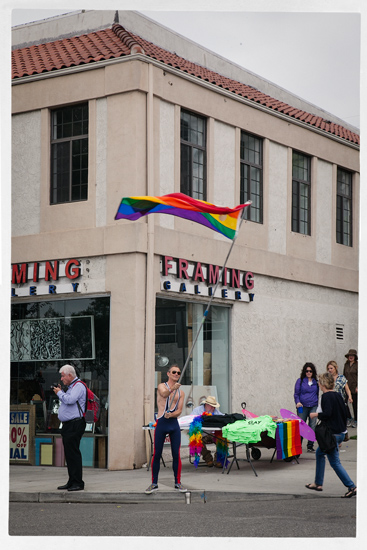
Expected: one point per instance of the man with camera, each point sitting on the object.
(72, 405)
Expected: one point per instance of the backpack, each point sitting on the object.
(92, 405)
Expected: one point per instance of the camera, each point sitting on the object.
(56, 385)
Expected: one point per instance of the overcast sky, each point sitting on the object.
(313, 55)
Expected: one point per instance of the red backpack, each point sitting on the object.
(92, 405)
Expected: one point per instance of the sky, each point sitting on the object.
(313, 55)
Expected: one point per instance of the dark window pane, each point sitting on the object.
(193, 155)
(69, 156)
(251, 175)
(301, 191)
(344, 208)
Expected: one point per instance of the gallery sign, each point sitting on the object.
(195, 278)
(42, 278)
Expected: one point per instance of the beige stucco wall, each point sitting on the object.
(286, 325)
(26, 167)
(222, 184)
(324, 215)
(125, 280)
(277, 199)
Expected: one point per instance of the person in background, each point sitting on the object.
(306, 397)
(72, 402)
(341, 383)
(341, 386)
(170, 399)
(351, 374)
(209, 406)
(334, 414)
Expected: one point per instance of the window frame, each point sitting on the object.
(55, 157)
(187, 189)
(245, 194)
(296, 190)
(342, 237)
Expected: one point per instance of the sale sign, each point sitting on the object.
(21, 434)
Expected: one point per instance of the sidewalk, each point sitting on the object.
(39, 483)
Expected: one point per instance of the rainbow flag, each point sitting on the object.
(288, 439)
(221, 219)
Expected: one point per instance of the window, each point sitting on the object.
(69, 154)
(251, 176)
(193, 155)
(301, 194)
(47, 334)
(207, 373)
(344, 207)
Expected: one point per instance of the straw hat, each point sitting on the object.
(352, 352)
(210, 400)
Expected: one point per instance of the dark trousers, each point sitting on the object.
(355, 405)
(71, 433)
(167, 426)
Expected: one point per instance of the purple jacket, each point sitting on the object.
(305, 394)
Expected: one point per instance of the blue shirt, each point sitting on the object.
(201, 408)
(68, 401)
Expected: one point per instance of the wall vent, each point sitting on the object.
(339, 334)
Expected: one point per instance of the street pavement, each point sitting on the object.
(39, 483)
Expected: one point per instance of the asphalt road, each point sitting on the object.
(258, 516)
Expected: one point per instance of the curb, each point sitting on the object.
(162, 496)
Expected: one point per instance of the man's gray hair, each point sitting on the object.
(68, 369)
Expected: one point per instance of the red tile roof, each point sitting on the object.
(117, 42)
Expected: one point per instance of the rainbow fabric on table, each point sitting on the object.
(288, 439)
(221, 219)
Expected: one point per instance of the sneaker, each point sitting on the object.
(151, 489)
(349, 423)
(354, 424)
(180, 488)
(311, 450)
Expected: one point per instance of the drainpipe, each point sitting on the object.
(149, 297)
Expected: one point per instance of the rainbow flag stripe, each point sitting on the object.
(221, 219)
(288, 440)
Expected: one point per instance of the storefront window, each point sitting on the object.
(46, 335)
(207, 373)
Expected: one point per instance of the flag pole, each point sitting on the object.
(206, 312)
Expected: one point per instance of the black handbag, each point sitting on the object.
(325, 438)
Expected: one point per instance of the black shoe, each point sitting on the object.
(62, 487)
(75, 488)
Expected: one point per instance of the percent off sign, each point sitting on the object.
(19, 435)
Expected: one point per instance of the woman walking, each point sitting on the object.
(306, 397)
(335, 416)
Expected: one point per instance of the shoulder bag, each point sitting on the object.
(324, 437)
